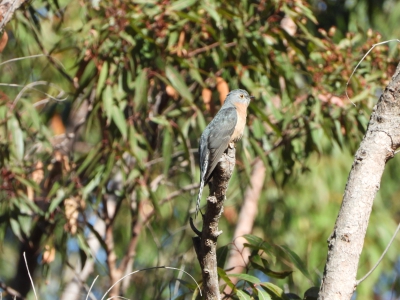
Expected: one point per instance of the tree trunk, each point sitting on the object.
(377, 147)
(206, 243)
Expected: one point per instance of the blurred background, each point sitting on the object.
(102, 104)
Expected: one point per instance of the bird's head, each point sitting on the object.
(238, 96)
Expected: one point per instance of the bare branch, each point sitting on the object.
(7, 9)
(206, 245)
(209, 47)
(11, 291)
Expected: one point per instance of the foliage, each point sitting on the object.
(143, 78)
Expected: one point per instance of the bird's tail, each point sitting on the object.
(203, 175)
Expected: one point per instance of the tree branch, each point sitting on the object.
(15, 294)
(206, 245)
(7, 9)
(346, 242)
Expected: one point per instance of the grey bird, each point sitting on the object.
(226, 128)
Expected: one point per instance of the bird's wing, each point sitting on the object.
(220, 129)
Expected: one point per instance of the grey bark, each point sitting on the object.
(205, 243)
(346, 242)
(7, 9)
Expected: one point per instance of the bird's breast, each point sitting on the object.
(241, 111)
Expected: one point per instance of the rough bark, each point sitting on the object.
(239, 256)
(7, 9)
(206, 243)
(377, 147)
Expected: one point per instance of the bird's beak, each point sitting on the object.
(252, 97)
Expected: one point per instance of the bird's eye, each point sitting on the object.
(241, 96)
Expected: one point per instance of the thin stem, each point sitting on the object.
(380, 259)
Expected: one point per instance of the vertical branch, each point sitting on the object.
(206, 243)
(346, 242)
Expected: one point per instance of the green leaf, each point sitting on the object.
(260, 152)
(222, 254)
(297, 261)
(108, 102)
(222, 274)
(242, 295)
(161, 120)
(109, 167)
(265, 118)
(258, 242)
(167, 148)
(246, 277)
(274, 290)
(90, 157)
(195, 74)
(83, 245)
(127, 37)
(119, 120)
(262, 264)
(93, 183)
(16, 228)
(263, 295)
(102, 78)
(55, 202)
(141, 84)
(17, 138)
(181, 4)
(178, 82)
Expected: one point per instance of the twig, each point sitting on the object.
(11, 291)
(10, 10)
(29, 57)
(30, 85)
(208, 47)
(366, 54)
(30, 277)
(53, 60)
(147, 269)
(161, 159)
(78, 277)
(179, 192)
(87, 297)
(380, 259)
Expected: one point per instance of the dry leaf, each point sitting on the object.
(180, 43)
(207, 95)
(3, 41)
(222, 88)
(37, 176)
(57, 125)
(171, 92)
(71, 214)
(49, 254)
